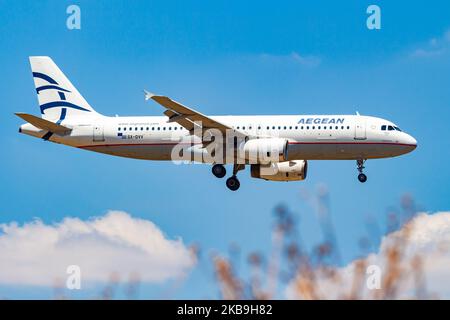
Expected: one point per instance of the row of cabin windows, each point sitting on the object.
(389, 128)
(148, 128)
(243, 128)
(297, 127)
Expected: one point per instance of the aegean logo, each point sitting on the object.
(321, 120)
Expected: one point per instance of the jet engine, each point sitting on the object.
(266, 150)
(293, 170)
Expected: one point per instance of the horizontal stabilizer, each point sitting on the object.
(44, 124)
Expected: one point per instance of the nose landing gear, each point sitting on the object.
(361, 176)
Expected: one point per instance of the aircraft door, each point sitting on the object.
(98, 133)
(360, 130)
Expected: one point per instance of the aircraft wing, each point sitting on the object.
(187, 117)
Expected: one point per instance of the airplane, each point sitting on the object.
(276, 147)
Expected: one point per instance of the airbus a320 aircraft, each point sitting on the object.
(276, 147)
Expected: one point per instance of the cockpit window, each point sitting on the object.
(390, 128)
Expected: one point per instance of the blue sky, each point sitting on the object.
(226, 57)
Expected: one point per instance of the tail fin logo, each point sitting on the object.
(53, 85)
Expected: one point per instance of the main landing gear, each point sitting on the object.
(232, 182)
(361, 176)
(219, 170)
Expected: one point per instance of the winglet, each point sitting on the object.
(148, 95)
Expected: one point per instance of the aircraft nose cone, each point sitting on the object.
(411, 142)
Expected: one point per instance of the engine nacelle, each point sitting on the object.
(294, 170)
(266, 150)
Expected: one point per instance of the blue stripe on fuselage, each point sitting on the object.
(47, 136)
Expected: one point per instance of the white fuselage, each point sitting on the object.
(311, 137)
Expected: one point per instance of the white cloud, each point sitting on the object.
(293, 58)
(38, 254)
(426, 236)
(434, 47)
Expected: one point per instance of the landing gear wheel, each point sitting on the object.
(360, 164)
(233, 183)
(362, 177)
(219, 170)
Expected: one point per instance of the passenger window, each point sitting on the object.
(284, 127)
(348, 127)
(136, 128)
(148, 128)
(313, 127)
(342, 127)
(307, 128)
(119, 128)
(124, 129)
(336, 127)
(153, 128)
(318, 127)
(296, 127)
(159, 128)
(279, 127)
(273, 127)
(170, 128)
(131, 128)
(243, 128)
(175, 128)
